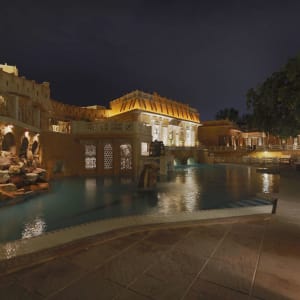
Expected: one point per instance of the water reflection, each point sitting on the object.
(74, 201)
(212, 186)
(107, 181)
(250, 183)
(90, 188)
(34, 228)
(10, 250)
(269, 183)
(183, 194)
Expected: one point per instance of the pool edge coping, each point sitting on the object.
(71, 234)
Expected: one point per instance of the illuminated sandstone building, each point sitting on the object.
(72, 140)
(173, 123)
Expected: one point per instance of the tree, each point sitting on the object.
(231, 114)
(246, 122)
(276, 102)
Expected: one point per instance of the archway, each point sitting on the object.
(8, 142)
(24, 147)
(177, 162)
(35, 148)
(191, 161)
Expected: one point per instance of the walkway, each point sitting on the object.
(237, 258)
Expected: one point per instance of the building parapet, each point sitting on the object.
(13, 84)
(109, 127)
(13, 121)
(9, 69)
(73, 112)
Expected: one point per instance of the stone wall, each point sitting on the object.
(61, 154)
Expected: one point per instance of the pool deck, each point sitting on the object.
(252, 257)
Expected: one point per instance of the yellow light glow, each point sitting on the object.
(267, 154)
(36, 137)
(26, 134)
(8, 128)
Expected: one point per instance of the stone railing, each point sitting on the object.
(284, 159)
(182, 148)
(278, 147)
(253, 148)
(226, 148)
(82, 127)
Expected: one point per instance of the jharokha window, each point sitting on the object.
(90, 157)
(108, 157)
(126, 157)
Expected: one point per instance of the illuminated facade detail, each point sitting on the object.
(90, 162)
(175, 124)
(90, 157)
(108, 157)
(153, 103)
(2, 104)
(59, 126)
(156, 132)
(9, 69)
(126, 157)
(90, 150)
(45, 129)
(144, 149)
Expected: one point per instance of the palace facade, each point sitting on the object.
(71, 140)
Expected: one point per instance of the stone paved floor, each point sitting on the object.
(243, 258)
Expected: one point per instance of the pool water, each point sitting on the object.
(76, 200)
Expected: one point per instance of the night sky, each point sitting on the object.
(204, 53)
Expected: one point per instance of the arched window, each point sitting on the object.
(108, 157)
(35, 147)
(126, 157)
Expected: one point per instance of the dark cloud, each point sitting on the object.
(205, 54)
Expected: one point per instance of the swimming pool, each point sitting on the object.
(77, 200)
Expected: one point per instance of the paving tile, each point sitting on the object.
(93, 257)
(156, 250)
(202, 240)
(167, 236)
(281, 238)
(123, 242)
(92, 286)
(251, 228)
(271, 286)
(231, 275)
(286, 267)
(126, 294)
(126, 267)
(278, 274)
(176, 263)
(160, 289)
(240, 248)
(49, 277)
(16, 292)
(203, 289)
(6, 281)
(277, 277)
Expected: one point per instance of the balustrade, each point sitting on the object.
(79, 127)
